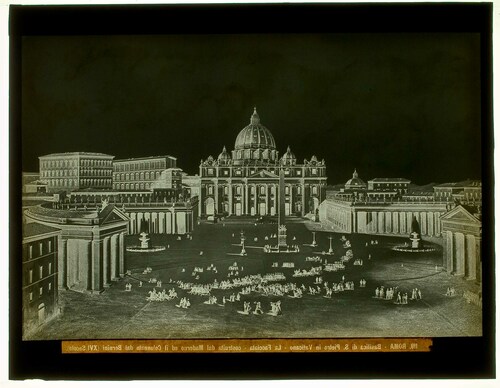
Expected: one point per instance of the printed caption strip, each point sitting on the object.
(249, 346)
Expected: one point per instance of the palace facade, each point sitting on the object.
(70, 171)
(245, 181)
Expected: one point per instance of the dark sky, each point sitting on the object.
(390, 105)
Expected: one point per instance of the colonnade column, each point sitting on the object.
(459, 254)
(106, 262)
(114, 257)
(121, 253)
(97, 267)
(470, 254)
(85, 259)
(63, 263)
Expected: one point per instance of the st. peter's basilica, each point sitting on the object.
(245, 181)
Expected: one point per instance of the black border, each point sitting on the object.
(472, 357)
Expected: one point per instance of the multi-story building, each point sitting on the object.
(469, 191)
(76, 170)
(245, 181)
(39, 274)
(391, 186)
(140, 173)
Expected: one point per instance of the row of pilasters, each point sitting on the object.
(395, 222)
(176, 222)
(462, 255)
(90, 265)
(252, 202)
(342, 219)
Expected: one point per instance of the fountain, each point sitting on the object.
(145, 242)
(416, 244)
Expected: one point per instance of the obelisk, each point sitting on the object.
(281, 212)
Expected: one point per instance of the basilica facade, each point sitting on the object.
(245, 181)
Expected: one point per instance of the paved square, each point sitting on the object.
(117, 313)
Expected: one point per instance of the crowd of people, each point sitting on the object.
(270, 284)
(391, 293)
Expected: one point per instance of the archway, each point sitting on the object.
(209, 207)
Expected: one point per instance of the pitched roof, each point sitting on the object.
(35, 229)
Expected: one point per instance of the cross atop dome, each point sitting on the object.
(255, 119)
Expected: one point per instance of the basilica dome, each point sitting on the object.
(254, 144)
(355, 182)
(254, 136)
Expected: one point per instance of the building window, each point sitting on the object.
(315, 190)
(252, 190)
(314, 171)
(41, 249)
(226, 172)
(31, 276)
(299, 172)
(210, 171)
(226, 190)
(299, 190)
(50, 286)
(50, 268)
(262, 190)
(30, 251)
(210, 190)
(50, 246)
(41, 291)
(287, 190)
(238, 190)
(31, 296)
(41, 271)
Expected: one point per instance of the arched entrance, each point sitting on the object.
(315, 205)
(209, 207)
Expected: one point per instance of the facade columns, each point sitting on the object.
(267, 199)
(245, 198)
(230, 199)
(255, 203)
(216, 195)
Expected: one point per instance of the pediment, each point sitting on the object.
(264, 174)
(460, 214)
(112, 215)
